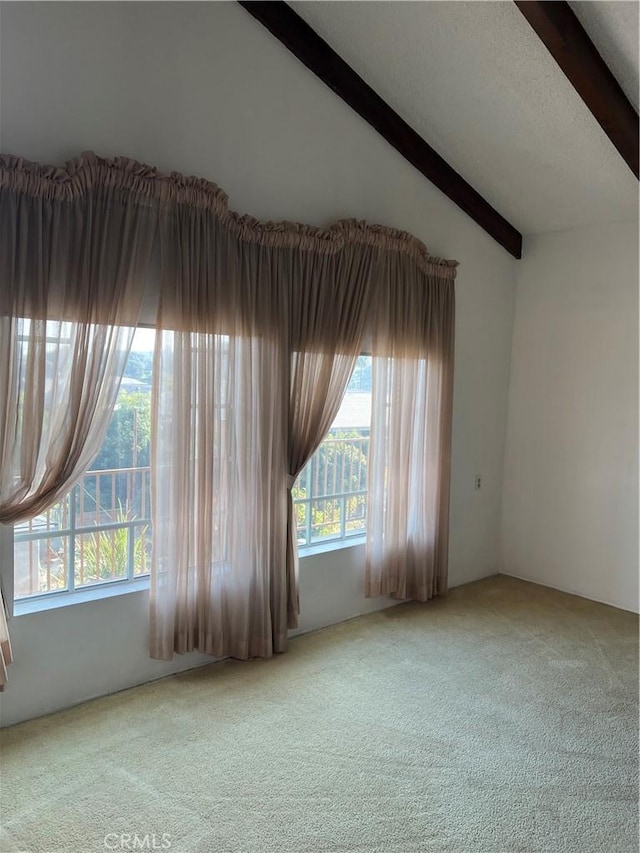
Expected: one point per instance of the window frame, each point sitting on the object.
(111, 587)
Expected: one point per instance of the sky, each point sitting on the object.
(143, 340)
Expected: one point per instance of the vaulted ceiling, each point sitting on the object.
(613, 28)
(475, 81)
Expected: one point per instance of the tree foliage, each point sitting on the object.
(140, 366)
(361, 376)
(126, 443)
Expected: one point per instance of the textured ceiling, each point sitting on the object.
(477, 83)
(613, 28)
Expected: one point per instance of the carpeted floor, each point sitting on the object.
(502, 718)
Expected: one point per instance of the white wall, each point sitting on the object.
(204, 89)
(570, 517)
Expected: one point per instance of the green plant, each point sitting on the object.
(104, 555)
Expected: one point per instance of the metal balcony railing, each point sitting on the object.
(99, 533)
(330, 495)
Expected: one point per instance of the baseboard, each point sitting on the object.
(570, 592)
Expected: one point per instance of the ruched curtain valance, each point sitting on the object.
(259, 325)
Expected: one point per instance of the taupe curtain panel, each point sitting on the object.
(327, 322)
(410, 448)
(74, 253)
(250, 369)
(259, 325)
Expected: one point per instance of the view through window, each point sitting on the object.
(330, 495)
(100, 532)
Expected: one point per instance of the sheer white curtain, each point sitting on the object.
(60, 381)
(410, 451)
(259, 325)
(218, 581)
(75, 247)
(258, 328)
(219, 510)
(240, 403)
(330, 307)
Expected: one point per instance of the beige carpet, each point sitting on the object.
(503, 718)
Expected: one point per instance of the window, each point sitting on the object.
(330, 495)
(100, 532)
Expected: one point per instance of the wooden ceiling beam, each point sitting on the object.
(567, 41)
(315, 53)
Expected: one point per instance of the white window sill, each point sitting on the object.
(53, 601)
(323, 547)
